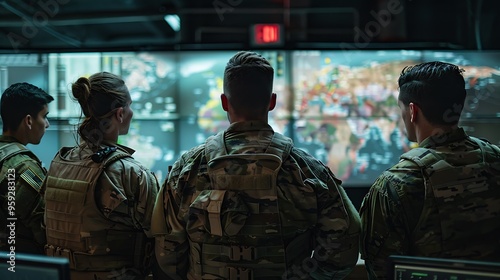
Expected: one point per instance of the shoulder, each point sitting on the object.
(487, 146)
(188, 160)
(303, 158)
(402, 179)
(308, 164)
(301, 166)
(124, 163)
(194, 152)
(23, 161)
(27, 170)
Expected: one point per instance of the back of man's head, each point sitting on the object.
(248, 83)
(20, 100)
(438, 88)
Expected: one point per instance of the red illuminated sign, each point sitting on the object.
(267, 34)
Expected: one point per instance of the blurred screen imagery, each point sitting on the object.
(340, 106)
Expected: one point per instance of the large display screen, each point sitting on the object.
(340, 106)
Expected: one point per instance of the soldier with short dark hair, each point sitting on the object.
(24, 110)
(441, 199)
(247, 204)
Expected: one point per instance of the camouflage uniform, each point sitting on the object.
(98, 214)
(26, 170)
(441, 200)
(317, 230)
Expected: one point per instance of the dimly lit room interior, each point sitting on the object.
(336, 69)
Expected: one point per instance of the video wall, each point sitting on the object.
(340, 106)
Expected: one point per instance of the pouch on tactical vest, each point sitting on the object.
(77, 229)
(235, 226)
(462, 202)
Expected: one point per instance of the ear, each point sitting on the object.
(272, 102)
(28, 120)
(119, 114)
(413, 111)
(224, 101)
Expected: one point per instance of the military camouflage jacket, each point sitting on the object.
(26, 171)
(337, 224)
(405, 214)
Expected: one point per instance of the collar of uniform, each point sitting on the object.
(8, 139)
(249, 125)
(126, 149)
(444, 139)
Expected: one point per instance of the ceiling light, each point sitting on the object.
(174, 21)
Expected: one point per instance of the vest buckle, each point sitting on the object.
(239, 273)
(238, 253)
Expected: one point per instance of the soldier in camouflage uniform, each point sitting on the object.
(442, 199)
(24, 114)
(99, 199)
(247, 204)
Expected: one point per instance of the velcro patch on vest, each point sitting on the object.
(32, 178)
(242, 182)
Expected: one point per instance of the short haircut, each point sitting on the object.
(20, 100)
(438, 88)
(248, 83)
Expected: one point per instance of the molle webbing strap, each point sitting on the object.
(235, 252)
(214, 212)
(279, 145)
(421, 156)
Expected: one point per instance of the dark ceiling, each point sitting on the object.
(106, 25)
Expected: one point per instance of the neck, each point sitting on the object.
(111, 138)
(236, 118)
(18, 135)
(428, 131)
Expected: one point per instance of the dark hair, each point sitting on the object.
(99, 95)
(248, 83)
(438, 88)
(20, 100)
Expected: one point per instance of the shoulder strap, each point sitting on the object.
(12, 149)
(215, 145)
(486, 146)
(116, 155)
(421, 156)
(280, 145)
(424, 158)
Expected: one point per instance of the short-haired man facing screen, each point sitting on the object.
(441, 199)
(24, 110)
(249, 205)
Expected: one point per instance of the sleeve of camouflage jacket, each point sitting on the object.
(29, 203)
(338, 229)
(125, 180)
(168, 226)
(383, 225)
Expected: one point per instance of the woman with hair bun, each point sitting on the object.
(99, 199)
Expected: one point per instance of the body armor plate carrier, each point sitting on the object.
(236, 226)
(78, 230)
(459, 199)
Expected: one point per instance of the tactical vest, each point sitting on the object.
(24, 236)
(76, 228)
(236, 226)
(461, 211)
